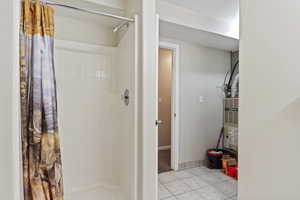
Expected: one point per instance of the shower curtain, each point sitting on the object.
(42, 167)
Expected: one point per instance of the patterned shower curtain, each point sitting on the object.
(42, 167)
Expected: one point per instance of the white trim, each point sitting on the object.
(136, 95)
(175, 103)
(16, 107)
(149, 185)
(162, 148)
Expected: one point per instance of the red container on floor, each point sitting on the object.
(232, 171)
(214, 158)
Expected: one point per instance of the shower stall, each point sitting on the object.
(95, 62)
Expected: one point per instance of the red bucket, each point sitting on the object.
(214, 158)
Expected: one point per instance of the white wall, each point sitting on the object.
(87, 106)
(126, 135)
(9, 130)
(202, 69)
(270, 100)
(119, 4)
(134, 7)
(83, 30)
(97, 128)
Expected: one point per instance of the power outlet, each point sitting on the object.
(201, 99)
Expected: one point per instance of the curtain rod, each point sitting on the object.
(89, 11)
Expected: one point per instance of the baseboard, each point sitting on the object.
(191, 164)
(161, 148)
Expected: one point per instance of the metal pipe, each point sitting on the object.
(89, 11)
(120, 26)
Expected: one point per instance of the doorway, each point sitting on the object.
(167, 102)
(164, 109)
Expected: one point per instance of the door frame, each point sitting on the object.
(175, 102)
(17, 163)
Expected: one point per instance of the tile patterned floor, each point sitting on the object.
(196, 184)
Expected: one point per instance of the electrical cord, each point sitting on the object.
(231, 76)
(226, 77)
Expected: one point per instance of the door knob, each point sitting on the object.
(158, 122)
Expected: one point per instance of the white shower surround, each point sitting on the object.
(91, 79)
